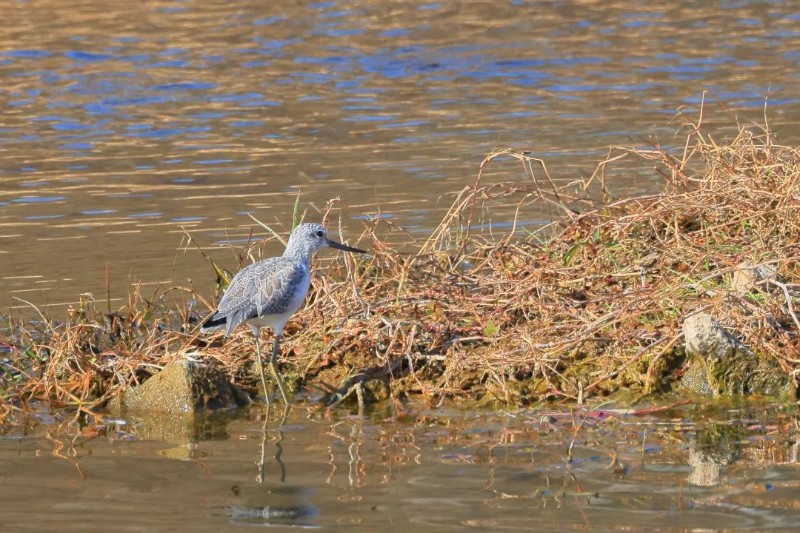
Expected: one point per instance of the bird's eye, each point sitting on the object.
(320, 233)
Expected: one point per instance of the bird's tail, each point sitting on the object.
(213, 322)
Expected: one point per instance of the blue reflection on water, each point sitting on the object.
(213, 161)
(25, 54)
(156, 133)
(268, 21)
(185, 86)
(77, 146)
(38, 199)
(80, 55)
(43, 217)
(127, 87)
(246, 123)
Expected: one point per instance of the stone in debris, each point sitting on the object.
(183, 387)
(723, 365)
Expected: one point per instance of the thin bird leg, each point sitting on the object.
(260, 364)
(278, 378)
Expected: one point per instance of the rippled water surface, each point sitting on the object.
(683, 469)
(126, 124)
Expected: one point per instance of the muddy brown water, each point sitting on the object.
(683, 469)
(127, 123)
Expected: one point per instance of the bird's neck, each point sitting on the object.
(300, 257)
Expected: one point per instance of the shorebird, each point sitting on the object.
(269, 292)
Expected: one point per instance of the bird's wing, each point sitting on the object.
(263, 288)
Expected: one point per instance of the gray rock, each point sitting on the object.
(722, 365)
(183, 387)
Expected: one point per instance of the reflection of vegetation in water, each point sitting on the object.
(587, 463)
(588, 306)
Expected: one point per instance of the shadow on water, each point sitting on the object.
(673, 469)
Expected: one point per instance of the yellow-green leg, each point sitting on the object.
(278, 379)
(260, 364)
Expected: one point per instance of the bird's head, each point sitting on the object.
(306, 239)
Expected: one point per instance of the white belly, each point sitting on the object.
(278, 321)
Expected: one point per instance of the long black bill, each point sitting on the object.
(340, 246)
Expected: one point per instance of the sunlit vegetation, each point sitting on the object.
(587, 306)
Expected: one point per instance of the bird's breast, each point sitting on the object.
(300, 292)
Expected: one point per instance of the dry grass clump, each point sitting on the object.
(587, 306)
(84, 360)
(591, 304)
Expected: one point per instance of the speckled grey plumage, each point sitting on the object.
(263, 288)
(268, 292)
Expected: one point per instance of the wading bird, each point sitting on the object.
(269, 292)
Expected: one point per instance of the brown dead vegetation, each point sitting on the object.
(587, 306)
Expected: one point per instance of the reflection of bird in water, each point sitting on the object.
(273, 505)
(268, 292)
